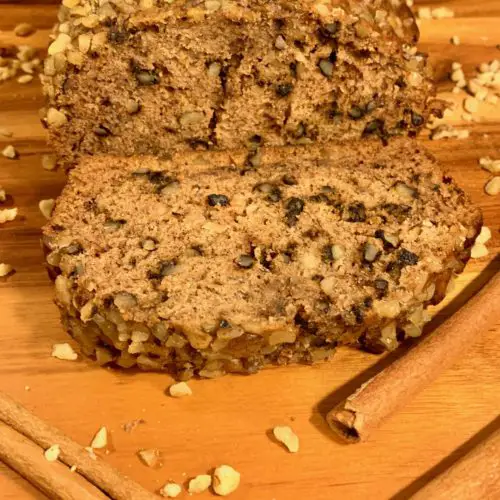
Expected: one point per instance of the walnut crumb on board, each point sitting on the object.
(10, 152)
(5, 269)
(492, 187)
(285, 435)
(226, 480)
(100, 439)
(8, 215)
(64, 351)
(479, 249)
(180, 390)
(49, 162)
(150, 457)
(46, 207)
(485, 235)
(200, 483)
(171, 490)
(52, 454)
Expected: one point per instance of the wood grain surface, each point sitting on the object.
(228, 420)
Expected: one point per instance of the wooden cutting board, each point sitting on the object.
(227, 421)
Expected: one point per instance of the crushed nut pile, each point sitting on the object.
(20, 62)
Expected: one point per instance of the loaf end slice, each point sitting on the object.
(202, 264)
(149, 76)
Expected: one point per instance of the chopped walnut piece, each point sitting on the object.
(5, 269)
(46, 207)
(171, 490)
(49, 162)
(284, 434)
(200, 483)
(64, 352)
(10, 152)
(52, 454)
(100, 439)
(180, 390)
(150, 457)
(484, 236)
(492, 187)
(225, 480)
(8, 215)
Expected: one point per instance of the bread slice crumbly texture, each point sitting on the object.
(203, 264)
(152, 76)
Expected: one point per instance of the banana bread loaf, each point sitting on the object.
(203, 265)
(149, 76)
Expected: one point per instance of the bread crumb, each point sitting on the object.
(180, 390)
(199, 484)
(130, 426)
(52, 454)
(284, 434)
(10, 152)
(150, 457)
(226, 480)
(455, 40)
(5, 269)
(100, 439)
(7, 215)
(46, 207)
(64, 352)
(484, 235)
(171, 490)
(492, 187)
(478, 250)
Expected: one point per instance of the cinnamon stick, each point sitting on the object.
(99, 473)
(476, 476)
(52, 478)
(386, 392)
